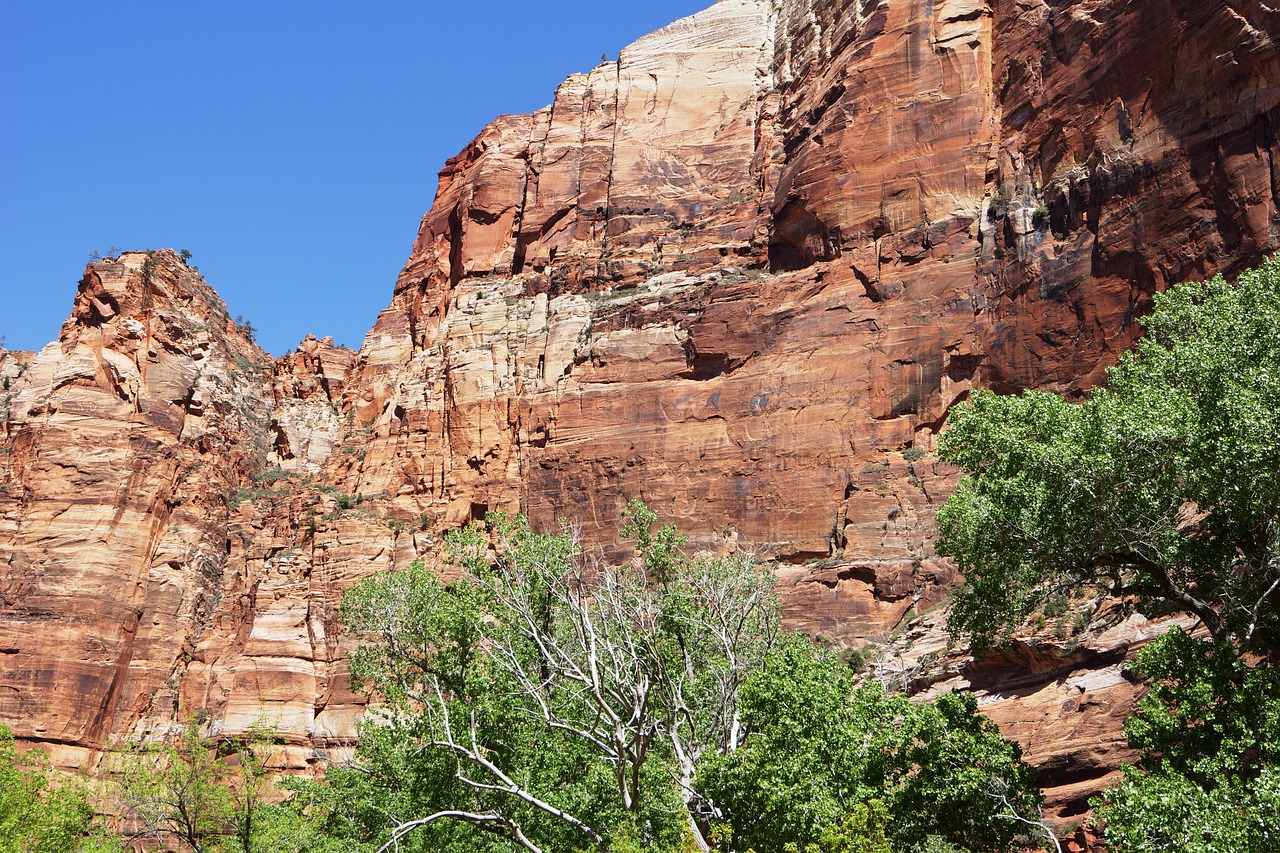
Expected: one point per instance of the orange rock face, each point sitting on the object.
(742, 272)
(121, 441)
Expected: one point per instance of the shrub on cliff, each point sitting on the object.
(1164, 485)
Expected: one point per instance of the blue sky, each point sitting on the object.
(292, 147)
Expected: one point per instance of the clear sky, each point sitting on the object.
(292, 147)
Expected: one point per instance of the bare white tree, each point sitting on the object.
(1000, 791)
(633, 663)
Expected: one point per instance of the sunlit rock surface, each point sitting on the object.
(742, 272)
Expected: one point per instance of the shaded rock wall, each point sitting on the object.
(742, 272)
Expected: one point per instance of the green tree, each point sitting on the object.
(822, 759)
(177, 791)
(199, 793)
(1208, 733)
(250, 786)
(1164, 485)
(41, 814)
(544, 700)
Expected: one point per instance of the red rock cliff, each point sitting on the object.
(742, 272)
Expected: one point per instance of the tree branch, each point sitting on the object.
(491, 822)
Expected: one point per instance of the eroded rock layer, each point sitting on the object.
(742, 272)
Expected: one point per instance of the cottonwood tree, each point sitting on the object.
(42, 814)
(560, 701)
(195, 792)
(1164, 485)
(1208, 736)
(828, 765)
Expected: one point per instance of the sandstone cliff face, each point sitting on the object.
(121, 441)
(742, 272)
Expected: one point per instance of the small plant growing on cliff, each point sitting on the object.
(1040, 217)
(245, 328)
(148, 267)
(275, 474)
(996, 206)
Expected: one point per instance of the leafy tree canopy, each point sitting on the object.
(1164, 485)
(185, 793)
(827, 766)
(41, 815)
(542, 700)
(1208, 732)
(549, 701)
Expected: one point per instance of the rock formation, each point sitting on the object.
(743, 272)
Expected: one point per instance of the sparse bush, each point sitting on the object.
(274, 475)
(1040, 217)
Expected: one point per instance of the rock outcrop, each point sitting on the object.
(121, 441)
(742, 272)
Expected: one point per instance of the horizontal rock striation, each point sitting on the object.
(742, 272)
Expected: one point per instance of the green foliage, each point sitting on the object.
(1169, 812)
(1208, 778)
(1164, 485)
(1040, 217)
(186, 792)
(239, 496)
(245, 328)
(997, 206)
(938, 844)
(274, 475)
(864, 829)
(41, 814)
(543, 695)
(823, 760)
(248, 365)
(660, 551)
(913, 454)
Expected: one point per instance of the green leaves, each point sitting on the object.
(1164, 485)
(543, 695)
(1168, 812)
(1208, 779)
(1208, 715)
(822, 759)
(39, 817)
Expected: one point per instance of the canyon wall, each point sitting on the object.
(742, 272)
